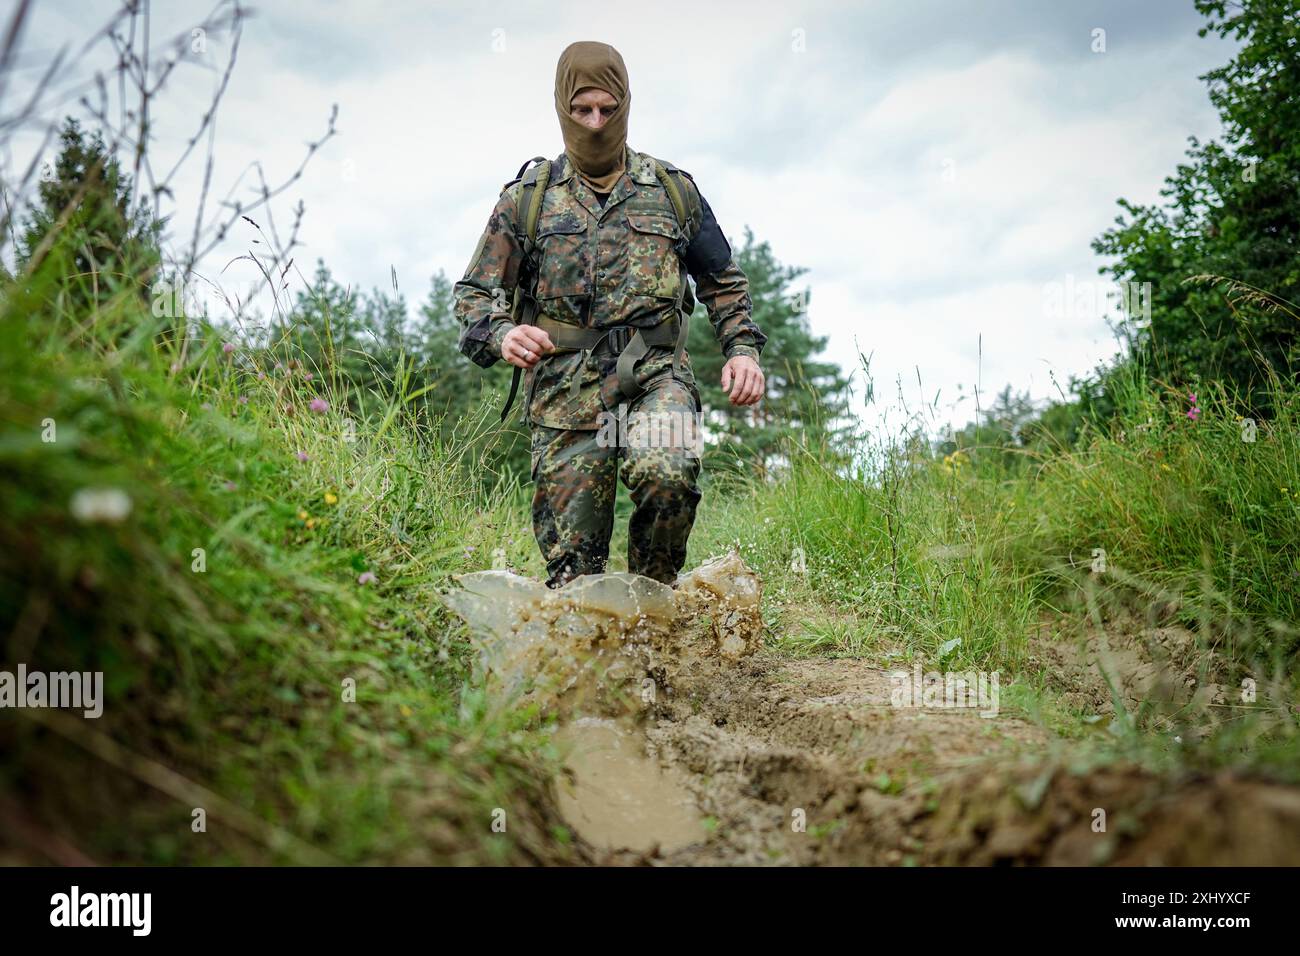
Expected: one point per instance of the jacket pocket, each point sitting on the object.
(652, 264)
(564, 269)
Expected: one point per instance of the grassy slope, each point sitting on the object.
(1199, 528)
(233, 677)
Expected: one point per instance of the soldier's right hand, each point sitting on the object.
(524, 345)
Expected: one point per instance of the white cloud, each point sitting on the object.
(836, 155)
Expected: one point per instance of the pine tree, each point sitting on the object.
(83, 230)
(806, 398)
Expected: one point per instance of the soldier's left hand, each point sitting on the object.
(743, 380)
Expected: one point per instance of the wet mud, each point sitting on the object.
(689, 742)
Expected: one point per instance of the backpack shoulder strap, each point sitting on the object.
(690, 217)
(682, 196)
(533, 181)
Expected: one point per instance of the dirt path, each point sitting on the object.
(691, 743)
(807, 761)
(768, 743)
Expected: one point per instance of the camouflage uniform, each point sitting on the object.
(620, 265)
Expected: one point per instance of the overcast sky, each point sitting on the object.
(936, 165)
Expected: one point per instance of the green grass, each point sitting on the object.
(1186, 511)
(227, 612)
(909, 552)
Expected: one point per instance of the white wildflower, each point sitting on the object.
(104, 505)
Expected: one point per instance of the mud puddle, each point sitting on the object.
(617, 798)
(601, 655)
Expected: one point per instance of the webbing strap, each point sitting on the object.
(626, 367)
(576, 338)
(531, 199)
(573, 338)
(671, 178)
(525, 307)
(683, 329)
(514, 390)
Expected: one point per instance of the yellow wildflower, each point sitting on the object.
(331, 498)
(952, 464)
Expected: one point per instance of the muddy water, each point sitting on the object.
(620, 799)
(598, 653)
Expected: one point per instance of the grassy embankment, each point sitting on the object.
(959, 560)
(268, 563)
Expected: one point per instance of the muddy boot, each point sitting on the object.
(569, 566)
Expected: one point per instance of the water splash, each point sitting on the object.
(599, 635)
(596, 653)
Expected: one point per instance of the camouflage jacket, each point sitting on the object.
(601, 267)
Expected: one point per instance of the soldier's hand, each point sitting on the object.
(524, 345)
(743, 380)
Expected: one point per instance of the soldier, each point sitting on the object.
(604, 276)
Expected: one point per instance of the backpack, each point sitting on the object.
(525, 307)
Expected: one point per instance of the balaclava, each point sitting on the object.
(597, 154)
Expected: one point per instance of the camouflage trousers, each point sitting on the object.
(576, 473)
